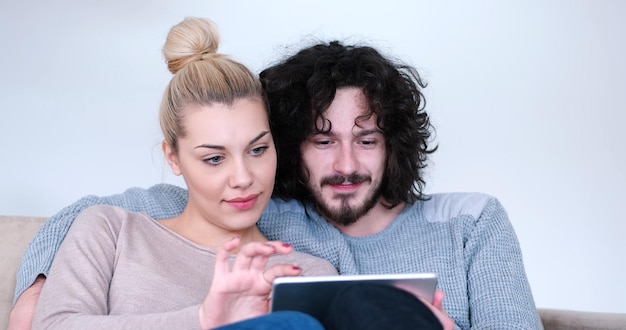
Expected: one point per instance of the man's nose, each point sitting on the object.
(345, 161)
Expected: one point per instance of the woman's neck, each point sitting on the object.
(201, 231)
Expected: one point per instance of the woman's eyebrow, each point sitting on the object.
(258, 137)
(218, 147)
(210, 146)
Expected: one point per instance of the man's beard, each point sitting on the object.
(346, 214)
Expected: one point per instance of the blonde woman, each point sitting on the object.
(210, 266)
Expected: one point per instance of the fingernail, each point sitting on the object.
(296, 268)
(286, 244)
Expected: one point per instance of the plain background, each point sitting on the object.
(527, 97)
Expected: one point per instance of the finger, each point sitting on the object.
(255, 255)
(439, 312)
(281, 247)
(280, 270)
(417, 294)
(248, 252)
(259, 262)
(221, 258)
(438, 299)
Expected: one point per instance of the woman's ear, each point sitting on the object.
(171, 157)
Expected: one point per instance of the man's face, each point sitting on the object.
(345, 165)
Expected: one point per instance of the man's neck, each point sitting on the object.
(374, 221)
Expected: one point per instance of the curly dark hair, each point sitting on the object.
(301, 88)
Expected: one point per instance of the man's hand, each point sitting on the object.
(242, 291)
(21, 317)
(437, 308)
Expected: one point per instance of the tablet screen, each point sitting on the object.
(313, 294)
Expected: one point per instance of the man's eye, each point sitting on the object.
(213, 160)
(323, 142)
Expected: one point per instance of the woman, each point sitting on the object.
(119, 269)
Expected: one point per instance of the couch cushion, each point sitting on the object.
(15, 234)
(556, 319)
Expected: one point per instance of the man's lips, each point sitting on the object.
(345, 184)
(345, 188)
(243, 203)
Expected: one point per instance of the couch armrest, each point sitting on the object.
(15, 234)
(556, 319)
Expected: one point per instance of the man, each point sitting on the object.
(352, 140)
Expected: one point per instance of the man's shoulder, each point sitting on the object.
(279, 205)
(442, 207)
(105, 210)
(108, 215)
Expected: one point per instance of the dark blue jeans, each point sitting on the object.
(285, 320)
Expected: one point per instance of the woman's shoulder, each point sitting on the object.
(310, 264)
(107, 216)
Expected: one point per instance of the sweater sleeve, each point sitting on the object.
(76, 296)
(500, 295)
(159, 201)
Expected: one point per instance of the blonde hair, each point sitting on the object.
(201, 75)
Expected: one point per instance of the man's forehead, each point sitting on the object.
(364, 125)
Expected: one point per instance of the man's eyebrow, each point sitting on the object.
(366, 132)
(218, 147)
(358, 134)
(323, 133)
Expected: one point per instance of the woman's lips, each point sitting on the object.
(243, 203)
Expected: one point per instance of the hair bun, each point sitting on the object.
(191, 40)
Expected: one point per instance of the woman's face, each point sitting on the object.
(228, 161)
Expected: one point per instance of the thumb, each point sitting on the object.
(438, 299)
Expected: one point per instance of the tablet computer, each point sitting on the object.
(313, 294)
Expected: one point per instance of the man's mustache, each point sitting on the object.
(345, 179)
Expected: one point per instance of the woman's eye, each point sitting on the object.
(258, 151)
(213, 160)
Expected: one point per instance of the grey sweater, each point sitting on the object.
(465, 238)
(123, 270)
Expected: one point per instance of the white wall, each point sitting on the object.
(528, 98)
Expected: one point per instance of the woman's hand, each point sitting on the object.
(243, 291)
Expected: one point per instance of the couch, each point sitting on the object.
(17, 231)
